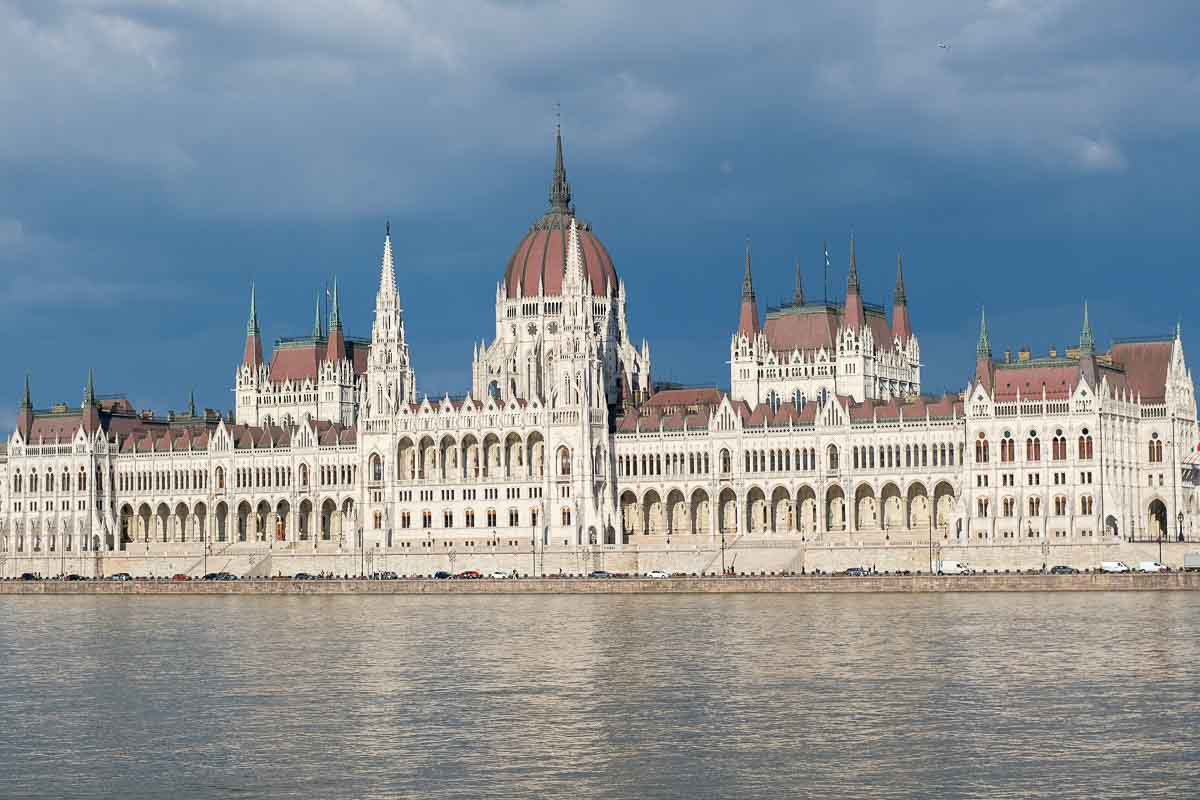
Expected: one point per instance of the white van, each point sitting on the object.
(952, 568)
(1149, 566)
(1113, 566)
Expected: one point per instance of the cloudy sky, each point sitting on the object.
(158, 157)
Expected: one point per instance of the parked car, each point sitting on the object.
(952, 568)
(1060, 569)
(388, 575)
(657, 573)
(470, 575)
(1150, 566)
(1113, 566)
(73, 577)
(302, 576)
(179, 576)
(599, 573)
(442, 575)
(1191, 562)
(28, 576)
(855, 572)
(121, 576)
(498, 575)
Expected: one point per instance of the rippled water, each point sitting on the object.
(1039, 695)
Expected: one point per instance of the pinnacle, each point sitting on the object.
(560, 189)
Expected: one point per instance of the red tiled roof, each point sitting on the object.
(542, 254)
(709, 396)
(1145, 365)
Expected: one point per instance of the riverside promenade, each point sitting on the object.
(825, 584)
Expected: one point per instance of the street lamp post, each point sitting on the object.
(1179, 519)
(722, 550)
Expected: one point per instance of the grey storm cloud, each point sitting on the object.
(320, 107)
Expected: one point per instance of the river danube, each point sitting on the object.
(1029, 695)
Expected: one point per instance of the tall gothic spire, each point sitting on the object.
(25, 414)
(852, 280)
(748, 314)
(560, 189)
(901, 324)
(387, 269)
(984, 368)
(335, 350)
(91, 416)
(984, 348)
(317, 318)
(798, 292)
(854, 317)
(252, 324)
(252, 356)
(1087, 342)
(192, 403)
(335, 309)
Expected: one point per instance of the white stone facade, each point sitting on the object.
(562, 455)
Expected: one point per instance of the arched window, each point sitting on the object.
(726, 467)
(1035, 506)
(1156, 449)
(981, 450)
(376, 468)
(1033, 447)
(564, 461)
(1085, 445)
(1007, 506)
(831, 455)
(1060, 506)
(1058, 446)
(1085, 505)
(1008, 449)
(220, 478)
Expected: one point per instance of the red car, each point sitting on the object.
(179, 576)
(470, 574)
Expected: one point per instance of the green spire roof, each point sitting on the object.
(335, 309)
(317, 318)
(252, 324)
(89, 391)
(1087, 342)
(984, 348)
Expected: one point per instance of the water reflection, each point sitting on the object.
(1040, 695)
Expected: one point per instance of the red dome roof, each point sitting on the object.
(542, 255)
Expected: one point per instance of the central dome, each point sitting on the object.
(541, 255)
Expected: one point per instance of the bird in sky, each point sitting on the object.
(944, 45)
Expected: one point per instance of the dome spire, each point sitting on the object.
(560, 189)
(748, 313)
(26, 401)
(798, 293)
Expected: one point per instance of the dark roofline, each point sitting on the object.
(1144, 339)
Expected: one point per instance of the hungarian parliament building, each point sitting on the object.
(566, 455)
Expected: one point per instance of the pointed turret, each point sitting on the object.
(25, 413)
(1087, 341)
(192, 403)
(1087, 350)
(387, 269)
(748, 315)
(901, 325)
(336, 349)
(91, 414)
(854, 316)
(253, 357)
(560, 189)
(983, 354)
(89, 391)
(317, 330)
(798, 292)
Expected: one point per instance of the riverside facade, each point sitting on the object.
(566, 455)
